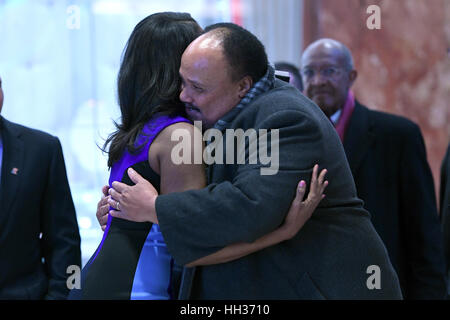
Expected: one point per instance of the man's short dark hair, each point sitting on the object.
(243, 51)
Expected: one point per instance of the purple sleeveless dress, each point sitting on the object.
(132, 261)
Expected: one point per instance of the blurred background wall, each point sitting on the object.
(59, 61)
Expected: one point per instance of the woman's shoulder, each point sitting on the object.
(175, 136)
(159, 122)
(174, 131)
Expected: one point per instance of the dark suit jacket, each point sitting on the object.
(35, 200)
(328, 258)
(445, 208)
(388, 160)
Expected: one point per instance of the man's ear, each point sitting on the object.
(352, 76)
(244, 85)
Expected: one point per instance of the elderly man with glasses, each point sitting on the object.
(387, 157)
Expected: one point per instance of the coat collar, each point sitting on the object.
(12, 165)
(359, 136)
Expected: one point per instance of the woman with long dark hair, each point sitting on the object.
(132, 261)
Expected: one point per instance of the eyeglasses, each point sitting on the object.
(328, 72)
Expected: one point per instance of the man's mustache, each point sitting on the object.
(192, 107)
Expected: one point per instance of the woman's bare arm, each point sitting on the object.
(299, 212)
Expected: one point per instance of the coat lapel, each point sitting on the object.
(12, 166)
(358, 137)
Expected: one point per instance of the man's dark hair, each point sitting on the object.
(243, 51)
(148, 80)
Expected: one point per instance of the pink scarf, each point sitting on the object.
(344, 119)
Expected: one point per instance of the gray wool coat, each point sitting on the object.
(333, 255)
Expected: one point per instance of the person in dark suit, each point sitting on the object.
(388, 160)
(444, 199)
(39, 237)
(333, 255)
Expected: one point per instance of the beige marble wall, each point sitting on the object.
(404, 67)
